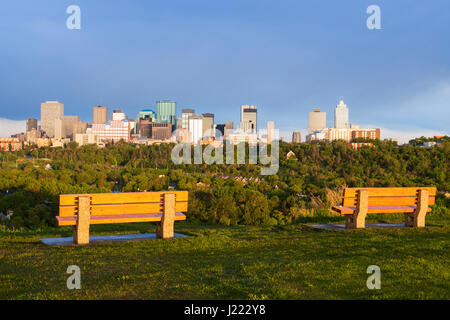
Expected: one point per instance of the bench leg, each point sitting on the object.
(81, 230)
(358, 219)
(164, 229)
(417, 218)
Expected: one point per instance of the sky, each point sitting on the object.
(286, 57)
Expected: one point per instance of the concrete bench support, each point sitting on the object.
(164, 229)
(358, 219)
(417, 218)
(81, 229)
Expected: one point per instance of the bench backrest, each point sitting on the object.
(407, 196)
(122, 203)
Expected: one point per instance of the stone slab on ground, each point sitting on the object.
(106, 239)
(368, 225)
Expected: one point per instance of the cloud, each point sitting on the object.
(403, 136)
(9, 127)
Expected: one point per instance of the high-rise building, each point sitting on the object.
(208, 124)
(50, 111)
(341, 116)
(154, 130)
(100, 114)
(296, 137)
(118, 115)
(147, 114)
(195, 128)
(317, 120)
(185, 114)
(166, 112)
(31, 124)
(249, 118)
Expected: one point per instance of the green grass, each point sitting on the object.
(217, 262)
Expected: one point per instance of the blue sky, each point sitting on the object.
(286, 57)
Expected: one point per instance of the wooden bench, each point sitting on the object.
(414, 202)
(82, 210)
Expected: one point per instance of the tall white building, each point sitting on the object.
(341, 116)
(185, 114)
(195, 128)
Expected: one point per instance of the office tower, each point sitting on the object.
(341, 116)
(58, 132)
(166, 112)
(50, 111)
(317, 120)
(249, 118)
(147, 114)
(70, 126)
(208, 124)
(118, 115)
(270, 131)
(154, 130)
(160, 131)
(100, 114)
(296, 137)
(185, 114)
(195, 128)
(31, 124)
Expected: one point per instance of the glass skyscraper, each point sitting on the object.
(147, 114)
(166, 112)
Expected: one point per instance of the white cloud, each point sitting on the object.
(403, 136)
(9, 127)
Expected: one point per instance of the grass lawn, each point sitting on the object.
(218, 262)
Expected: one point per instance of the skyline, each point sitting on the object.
(286, 58)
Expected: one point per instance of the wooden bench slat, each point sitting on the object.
(147, 217)
(121, 198)
(377, 209)
(389, 192)
(387, 201)
(125, 209)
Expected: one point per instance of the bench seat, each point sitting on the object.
(378, 209)
(83, 210)
(119, 218)
(414, 202)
